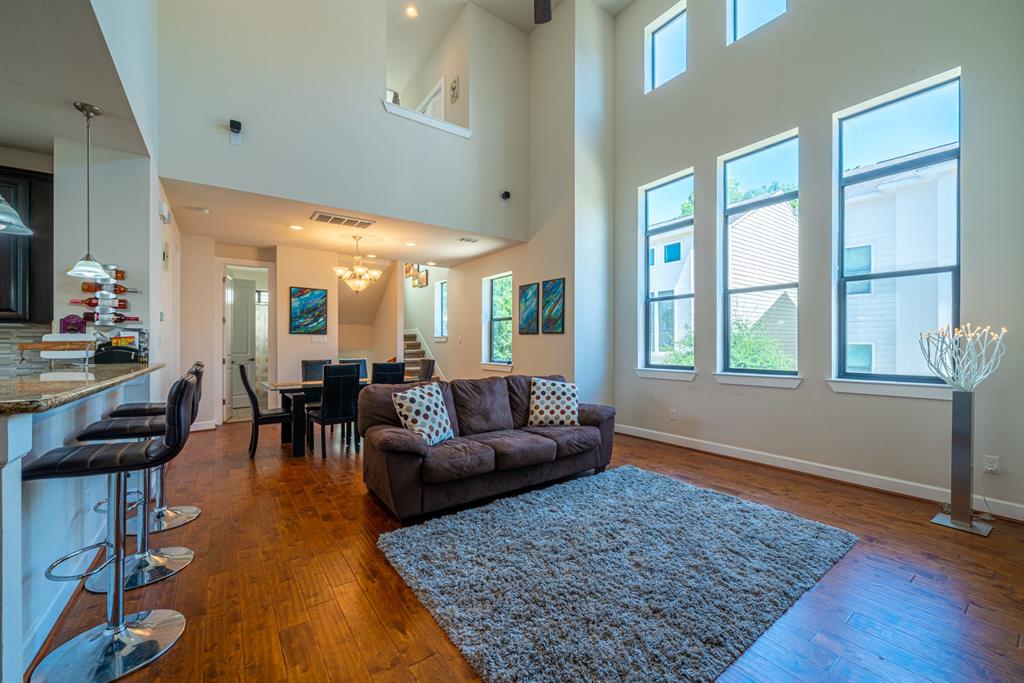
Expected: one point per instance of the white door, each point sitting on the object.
(241, 317)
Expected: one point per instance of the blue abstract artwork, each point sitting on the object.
(529, 313)
(553, 309)
(308, 311)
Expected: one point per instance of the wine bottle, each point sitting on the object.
(92, 317)
(93, 302)
(117, 289)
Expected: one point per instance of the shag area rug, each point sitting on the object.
(624, 576)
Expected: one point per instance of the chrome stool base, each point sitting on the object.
(100, 654)
(142, 569)
(169, 518)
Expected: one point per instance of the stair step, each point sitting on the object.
(415, 353)
(410, 337)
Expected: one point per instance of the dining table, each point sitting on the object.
(293, 399)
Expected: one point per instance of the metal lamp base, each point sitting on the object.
(100, 655)
(977, 528)
(169, 518)
(145, 568)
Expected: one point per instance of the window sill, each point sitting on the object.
(758, 380)
(418, 117)
(935, 392)
(440, 340)
(658, 373)
(496, 367)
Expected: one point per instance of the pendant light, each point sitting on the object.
(10, 221)
(87, 267)
(358, 277)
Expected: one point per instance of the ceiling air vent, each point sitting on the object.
(466, 239)
(339, 220)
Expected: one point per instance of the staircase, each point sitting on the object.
(414, 353)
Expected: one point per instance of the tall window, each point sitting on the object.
(665, 46)
(746, 16)
(498, 291)
(441, 309)
(760, 260)
(899, 257)
(668, 282)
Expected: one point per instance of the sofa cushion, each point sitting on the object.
(377, 408)
(553, 403)
(570, 440)
(482, 405)
(514, 448)
(457, 458)
(519, 396)
(422, 410)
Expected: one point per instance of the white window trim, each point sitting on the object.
(485, 323)
(413, 115)
(662, 373)
(649, 31)
(441, 340)
(753, 379)
(496, 367)
(935, 392)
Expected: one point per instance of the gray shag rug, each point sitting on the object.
(624, 576)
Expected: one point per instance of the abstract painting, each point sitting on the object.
(553, 311)
(423, 277)
(308, 309)
(529, 315)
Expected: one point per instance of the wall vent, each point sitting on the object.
(339, 220)
(466, 239)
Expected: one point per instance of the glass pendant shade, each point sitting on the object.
(10, 221)
(87, 267)
(358, 277)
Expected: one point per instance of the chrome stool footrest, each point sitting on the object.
(70, 556)
(134, 498)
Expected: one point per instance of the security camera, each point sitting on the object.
(506, 195)
(236, 126)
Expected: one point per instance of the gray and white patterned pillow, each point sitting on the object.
(553, 403)
(422, 410)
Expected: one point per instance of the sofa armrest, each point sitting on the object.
(594, 415)
(396, 439)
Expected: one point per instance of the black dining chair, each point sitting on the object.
(426, 371)
(347, 369)
(338, 403)
(361, 362)
(260, 417)
(388, 373)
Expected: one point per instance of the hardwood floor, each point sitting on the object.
(288, 584)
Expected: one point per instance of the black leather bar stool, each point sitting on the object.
(125, 642)
(152, 409)
(143, 425)
(146, 565)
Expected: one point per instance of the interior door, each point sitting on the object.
(242, 348)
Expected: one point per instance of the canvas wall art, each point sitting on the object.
(423, 277)
(308, 310)
(408, 270)
(529, 313)
(553, 309)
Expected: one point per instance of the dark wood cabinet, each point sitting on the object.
(26, 262)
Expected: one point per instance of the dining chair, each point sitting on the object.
(361, 362)
(260, 417)
(388, 373)
(426, 371)
(313, 370)
(346, 369)
(338, 403)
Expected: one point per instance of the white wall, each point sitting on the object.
(323, 136)
(817, 59)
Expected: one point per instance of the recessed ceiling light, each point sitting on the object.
(431, 263)
(411, 11)
(371, 256)
(410, 244)
(198, 209)
(296, 227)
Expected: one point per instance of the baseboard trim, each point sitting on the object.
(1002, 508)
(204, 426)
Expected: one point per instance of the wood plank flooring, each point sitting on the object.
(288, 584)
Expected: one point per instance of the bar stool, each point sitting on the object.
(146, 565)
(125, 642)
(163, 517)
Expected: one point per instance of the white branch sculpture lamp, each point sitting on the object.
(963, 358)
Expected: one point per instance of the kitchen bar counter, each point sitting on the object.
(34, 393)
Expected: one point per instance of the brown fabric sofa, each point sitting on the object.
(493, 452)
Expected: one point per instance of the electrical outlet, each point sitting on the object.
(672, 414)
(990, 463)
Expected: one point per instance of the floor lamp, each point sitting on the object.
(963, 357)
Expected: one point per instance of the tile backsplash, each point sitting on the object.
(10, 358)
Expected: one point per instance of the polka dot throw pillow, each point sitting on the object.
(422, 410)
(553, 403)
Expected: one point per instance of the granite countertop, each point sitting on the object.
(39, 391)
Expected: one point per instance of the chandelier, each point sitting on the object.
(358, 277)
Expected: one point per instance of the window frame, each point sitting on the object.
(491, 320)
(648, 232)
(727, 293)
(842, 279)
(674, 12)
(733, 21)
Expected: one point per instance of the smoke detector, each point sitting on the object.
(340, 220)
